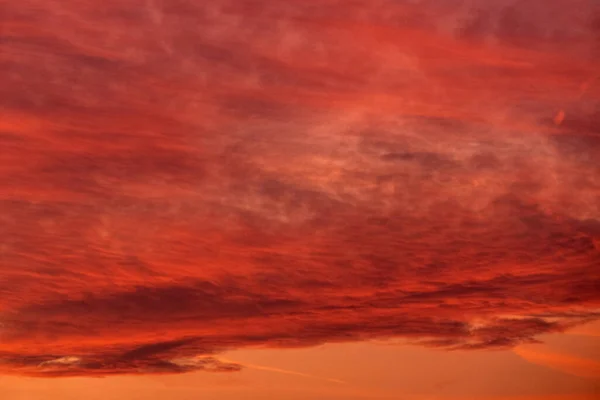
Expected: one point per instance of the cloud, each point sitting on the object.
(155, 358)
(183, 179)
(570, 364)
(288, 372)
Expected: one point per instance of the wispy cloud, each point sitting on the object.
(283, 371)
(570, 364)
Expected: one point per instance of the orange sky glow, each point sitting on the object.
(321, 199)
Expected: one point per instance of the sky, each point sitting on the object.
(320, 199)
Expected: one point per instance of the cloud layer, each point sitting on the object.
(181, 178)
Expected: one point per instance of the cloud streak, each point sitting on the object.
(573, 365)
(180, 179)
(285, 371)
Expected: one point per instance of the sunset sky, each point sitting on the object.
(317, 199)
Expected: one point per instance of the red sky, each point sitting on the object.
(182, 182)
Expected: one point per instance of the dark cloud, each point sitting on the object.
(178, 179)
(105, 366)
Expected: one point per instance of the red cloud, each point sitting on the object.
(178, 179)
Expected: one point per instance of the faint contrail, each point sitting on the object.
(283, 371)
